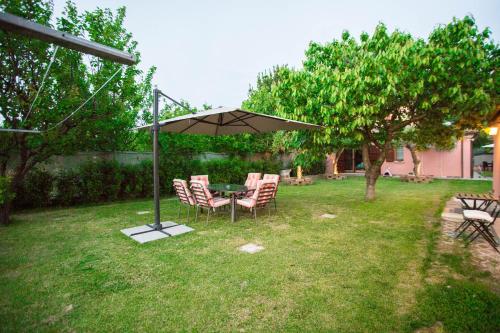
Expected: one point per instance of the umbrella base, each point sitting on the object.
(147, 233)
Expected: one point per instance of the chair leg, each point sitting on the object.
(255, 213)
(208, 215)
(196, 214)
(464, 226)
(460, 226)
(484, 229)
(179, 211)
(480, 229)
(189, 209)
(275, 208)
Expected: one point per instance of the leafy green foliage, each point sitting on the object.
(105, 181)
(103, 123)
(373, 88)
(308, 147)
(37, 189)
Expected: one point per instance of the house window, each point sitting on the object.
(400, 153)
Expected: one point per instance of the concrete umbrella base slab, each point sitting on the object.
(145, 233)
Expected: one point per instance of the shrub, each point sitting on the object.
(35, 190)
(107, 180)
(100, 181)
(67, 188)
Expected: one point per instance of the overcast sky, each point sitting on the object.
(211, 51)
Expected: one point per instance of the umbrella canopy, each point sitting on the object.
(225, 121)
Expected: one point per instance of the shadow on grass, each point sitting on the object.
(462, 306)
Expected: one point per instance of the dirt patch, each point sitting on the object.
(438, 327)
(280, 227)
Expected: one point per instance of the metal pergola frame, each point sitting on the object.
(21, 26)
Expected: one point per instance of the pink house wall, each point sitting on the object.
(437, 163)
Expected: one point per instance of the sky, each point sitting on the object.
(212, 51)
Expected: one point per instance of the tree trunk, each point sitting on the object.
(332, 162)
(336, 158)
(6, 207)
(372, 171)
(5, 213)
(417, 163)
(371, 176)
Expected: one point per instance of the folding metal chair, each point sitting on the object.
(482, 223)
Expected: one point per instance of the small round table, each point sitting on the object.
(230, 189)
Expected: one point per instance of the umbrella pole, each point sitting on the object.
(156, 161)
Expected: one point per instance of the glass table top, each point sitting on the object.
(227, 188)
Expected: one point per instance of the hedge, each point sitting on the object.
(105, 181)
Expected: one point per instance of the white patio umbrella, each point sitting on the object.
(225, 121)
(219, 121)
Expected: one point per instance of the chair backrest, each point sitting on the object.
(264, 192)
(252, 179)
(201, 194)
(275, 179)
(183, 192)
(202, 178)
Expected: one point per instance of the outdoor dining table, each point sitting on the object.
(479, 201)
(232, 190)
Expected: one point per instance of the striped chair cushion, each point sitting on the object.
(252, 180)
(202, 178)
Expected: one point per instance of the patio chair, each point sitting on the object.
(205, 199)
(251, 183)
(202, 178)
(185, 196)
(276, 180)
(260, 198)
(482, 222)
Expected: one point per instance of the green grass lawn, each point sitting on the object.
(365, 271)
(487, 173)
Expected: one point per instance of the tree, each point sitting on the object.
(419, 139)
(308, 147)
(102, 124)
(375, 87)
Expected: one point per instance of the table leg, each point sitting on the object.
(233, 207)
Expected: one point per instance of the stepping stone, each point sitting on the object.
(328, 216)
(251, 248)
(143, 212)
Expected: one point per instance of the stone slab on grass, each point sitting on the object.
(143, 212)
(328, 216)
(173, 229)
(251, 248)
